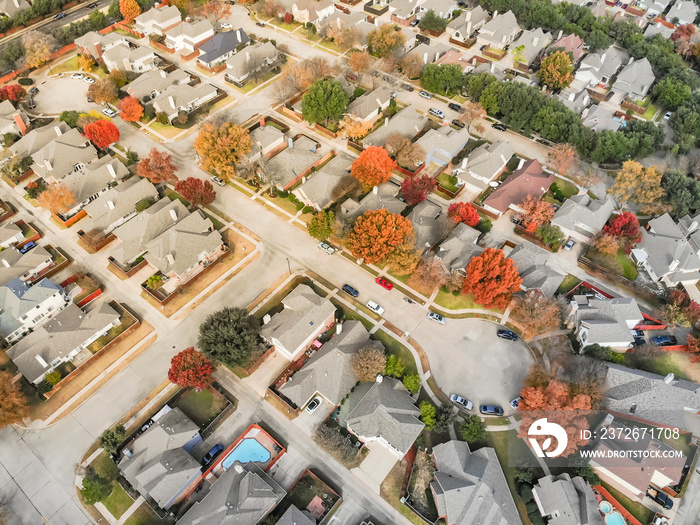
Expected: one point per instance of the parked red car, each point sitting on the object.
(384, 283)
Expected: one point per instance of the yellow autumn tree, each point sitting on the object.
(129, 10)
(37, 48)
(85, 62)
(220, 148)
(638, 184)
(353, 128)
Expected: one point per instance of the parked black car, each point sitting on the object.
(491, 410)
(507, 334)
(499, 126)
(211, 455)
(455, 107)
(458, 123)
(350, 290)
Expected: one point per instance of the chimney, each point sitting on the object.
(162, 73)
(173, 215)
(110, 205)
(48, 166)
(170, 259)
(535, 41)
(41, 361)
(631, 60)
(495, 14)
(262, 122)
(375, 190)
(171, 101)
(238, 34)
(111, 171)
(380, 378)
(386, 121)
(339, 328)
(7, 264)
(669, 378)
(290, 142)
(572, 96)
(58, 131)
(674, 264)
(560, 34)
(469, 15)
(20, 123)
(425, 58)
(247, 56)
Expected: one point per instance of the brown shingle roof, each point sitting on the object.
(528, 180)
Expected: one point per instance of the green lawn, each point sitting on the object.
(621, 263)
(459, 301)
(201, 407)
(393, 347)
(165, 130)
(639, 511)
(567, 188)
(650, 112)
(143, 516)
(568, 284)
(105, 466)
(118, 501)
(444, 181)
(68, 66)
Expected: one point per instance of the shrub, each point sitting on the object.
(25, 81)
(283, 194)
(143, 204)
(473, 430)
(95, 488)
(526, 493)
(484, 225)
(162, 118)
(428, 414)
(332, 439)
(308, 209)
(53, 378)
(412, 383)
(44, 387)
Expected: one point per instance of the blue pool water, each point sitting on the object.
(606, 507)
(615, 519)
(248, 450)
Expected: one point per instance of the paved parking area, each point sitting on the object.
(57, 94)
(466, 357)
(309, 422)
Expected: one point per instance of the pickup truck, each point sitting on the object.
(660, 497)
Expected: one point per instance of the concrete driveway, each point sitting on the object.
(377, 465)
(467, 358)
(310, 422)
(57, 94)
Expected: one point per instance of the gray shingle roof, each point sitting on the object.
(155, 80)
(294, 516)
(459, 247)
(387, 410)
(470, 487)
(289, 163)
(221, 44)
(179, 96)
(118, 202)
(367, 103)
(191, 30)
(607, 319)
(567, 501)
(407, 122)
(486, 161)
(429, 224)
(532, 263)
(158, 466)
(581, 209)
(8, 112)
(60, 156)
(304, 311)
(636, 78)
(12, 7)
(17, 298)
(37, 139)
(10, 230)
(599, 118)
(534, 40)
(659, 29)
(15, 264)
(603, 64)
(386, 197)
(94, 177)
(499, 29)
(159, 15)
(239, 64)
(443, 143)
(242, 495)
(58, 337)
(329, 371)
(318, 188)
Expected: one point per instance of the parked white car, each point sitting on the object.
(89, 80)
(77, 76)
(375, 307)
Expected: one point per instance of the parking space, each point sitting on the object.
(309, 422)
(58, 93)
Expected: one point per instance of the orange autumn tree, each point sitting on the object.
(131, 109)
(377, 234)
(57, 198)
(535, 213)
(13, 403)
(372, 167)
(693, 348)
(129, 9)
(492, 279)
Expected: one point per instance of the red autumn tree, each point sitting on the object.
(131, 109)
(682, 38)
(680, 310)
(535, 213)
(102, 133)
(372, 167)
(191, 369)
(625, 228)
(416, 189)
(158, 167)
(492, 279)
(464, 212)
(693, 348)
(197, 191)
(13, 93)
(377, 233)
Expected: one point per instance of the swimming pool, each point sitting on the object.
(606, 507)
(615, 518)
(248, 450)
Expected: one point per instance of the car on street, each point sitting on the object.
(375, 307)
(30, 103)
(92, 5)
(499, 126)
(415, 22)
(507, 334)
(77, 76)
(59, 16)
(89, 80)
(383, 283)
(315, 403)
(260, 24)
(326, 247)
(569, 244)
(514, 404)
(491, 410)
(664, 340)
(461, 402)
(436, 113)
(27, 247)
(212, 454)
(425, 94)
(350, 290)
(668, 114)
(226, 25)
(109, 112)
(458, 123)
(408, 87)
(436, 317)
(34, 91)
(89, 99)
(218, 181)
(455, 107)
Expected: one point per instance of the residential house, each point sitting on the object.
(483, 165)
(429, 224)
(317, 190)
(130, 59)
(186, 248)
(442, 8)
(600, 119)
(458, 248)
(411, 39)
(252, 62)
(158, 463)
(528, 47)
(667, 253)
(157, 20)
(407, 122)
(648, 397)
(312, 11)
(306, 315)
(429, 53)
(356, 20)
(581, 217)
(152, 83)
(441, 144)
(10, 234)
(456, 58)
(294, 516)
(10, 8)
(243, 494)
(183, 97)
(265, 139)
(91, 180)
(565, 501)
(657, 7)
(329, 372)
(118, 204)
(36, 139)
(686, 11)
(598, 68)
(25, 266)
(61, 339)
(294, 162)
(464, 26)
(530, 179)
(576, 102)
(635, 80)
(626, 472)
(66, 153)
(369, 106)
(659, 29)
(573, 44)
(383, 196)
(534, 266)
(12, 120)
(24, 307)
(499, 32)
(404, 11)
(387, 414)
(605, 322)
(95, 44)
(186, 37)
(470, 487)
(223, 46)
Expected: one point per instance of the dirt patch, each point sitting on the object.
(419, 488)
